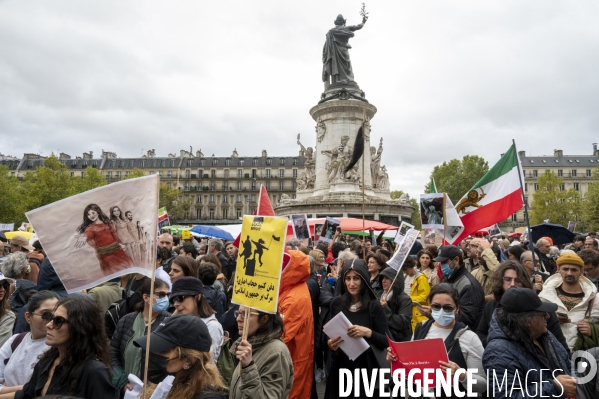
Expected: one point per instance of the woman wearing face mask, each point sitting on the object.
(188, 299)
(265, 369)
(25, 348)
(126, 358)
(183, 342)
(360, 305)
(464, 348)
(78, 362)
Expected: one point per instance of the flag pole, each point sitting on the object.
(530, 243)
(363, 185)
(149, 325)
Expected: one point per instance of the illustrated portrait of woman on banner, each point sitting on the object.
(100, 234)
(126, 231)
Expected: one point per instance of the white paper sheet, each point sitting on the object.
(337, 327)
(137, 385)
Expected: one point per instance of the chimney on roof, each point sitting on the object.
(264, 153)
(558, 153)
(64, 156)
(521, 153)
(595, 151)
(88, 155)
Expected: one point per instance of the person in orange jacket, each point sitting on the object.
(295, 307)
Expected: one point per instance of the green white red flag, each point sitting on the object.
(495, 197)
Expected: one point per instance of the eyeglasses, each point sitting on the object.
(179, 298)
(516, 280)
(447, 308)
(57, 321)
(162, 294)
(237, 313)
(45, 315)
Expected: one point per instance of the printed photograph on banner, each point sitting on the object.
(258, 272)
(428, 236)
(431, 210)
(328, 229)
(100, 234)
(300, 227)
(494, 230)
(572, 226)
(403, 252)
(317, 231)
(401, 232)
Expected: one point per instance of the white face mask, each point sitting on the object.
(442, 317)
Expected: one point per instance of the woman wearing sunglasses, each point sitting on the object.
(25, 348)
(265, 369)
(78, 362)
(125, 358)
(464, 348)
(188, 299)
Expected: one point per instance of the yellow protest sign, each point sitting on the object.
(258, 272)
(185, 235)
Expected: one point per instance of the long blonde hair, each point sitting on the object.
(202, 375)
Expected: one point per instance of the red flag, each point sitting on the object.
(264, 209)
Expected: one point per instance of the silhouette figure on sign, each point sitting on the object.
(260, 247)
(248, 264)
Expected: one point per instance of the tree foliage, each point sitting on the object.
(590, 206)
(457, 177)
(551, 202)
(11, 198)
(172, 199)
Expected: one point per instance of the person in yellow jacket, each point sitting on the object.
(417, 287)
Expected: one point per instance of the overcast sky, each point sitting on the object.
(449, 78)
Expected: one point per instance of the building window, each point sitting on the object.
(526, 200)
(212, 198)
(294, 173)
(127, 173)
(199, 199)
(525, 187)
(255, 162)
(131, 163)
(267, 185)
(535, 173)
(214, 162)
(241, 162)
(187, 174)
(72, 174)
(200, 171)
(226, 185)
(225, 213)
(109, 175)
(169, 174)
(226, 173)
(562, 187)
(577, 186)
(560, 173)
(159, 173)
(213, 173)
(294, 186)
(268, 160)
(199, 213)
(253, 173)
(225, 199)
(253, 185)
(589, 173)
(238, 197)
(515, 217)
(239, 185)
(211, 213)
(281, 185)
(267, 172)
(281, 172)
(239, 214)
(118, 175)
(227, 162)
(212, 186)
(240, 173)
(573, 172)
(536, 186)
(186, 186)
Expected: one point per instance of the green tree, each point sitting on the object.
(172, 199)
(11, 198)
(136, 172)
(396, 194)
(47, 184)
(590, 204)
(92, 178)
(457, 177)
(551, 202)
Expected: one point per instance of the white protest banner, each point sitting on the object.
(102, 233)
(7, 226)
(432, 210)
(453, 224)
(403, 251)
(401, 232)
(301, 230)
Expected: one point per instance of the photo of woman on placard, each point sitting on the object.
(125, 230)
(101, 235)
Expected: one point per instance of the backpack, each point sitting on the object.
(120, 308)
(226, 361)
(15, 344)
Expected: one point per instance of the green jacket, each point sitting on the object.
(271, 374)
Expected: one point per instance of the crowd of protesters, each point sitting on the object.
(497, 303)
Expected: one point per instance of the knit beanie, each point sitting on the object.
(570, 259)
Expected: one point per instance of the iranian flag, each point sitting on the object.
(495, 197)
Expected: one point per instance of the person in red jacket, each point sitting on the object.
(295, 307)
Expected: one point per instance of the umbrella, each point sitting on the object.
(11, 234)
(212, 231)
(558, 233)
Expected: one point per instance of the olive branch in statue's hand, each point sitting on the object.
(363, 13)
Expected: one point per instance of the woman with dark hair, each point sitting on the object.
(375, 264)
(183, 342)
(100, 235)
(396, 304)
(126, 358)
(425, 263)
(464, 349)
(265, 369)
(125, 233)
(7, 316)
(25, 348)
(78, 362)
(221, 280)
(514, 252)
(183, 266)
(511, 274)
(360, 305)
(187, 298)
(416, 286)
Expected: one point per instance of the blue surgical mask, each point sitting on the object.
(442, 317)
(446, 270)
(161, 305)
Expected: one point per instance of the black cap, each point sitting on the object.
(521, 300)
(448, 252)
(183, 330)
(186, 286)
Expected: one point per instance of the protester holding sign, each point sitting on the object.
(78, 363)
(265, 369)
(396, 304)
(360, 305)
(464, 349)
